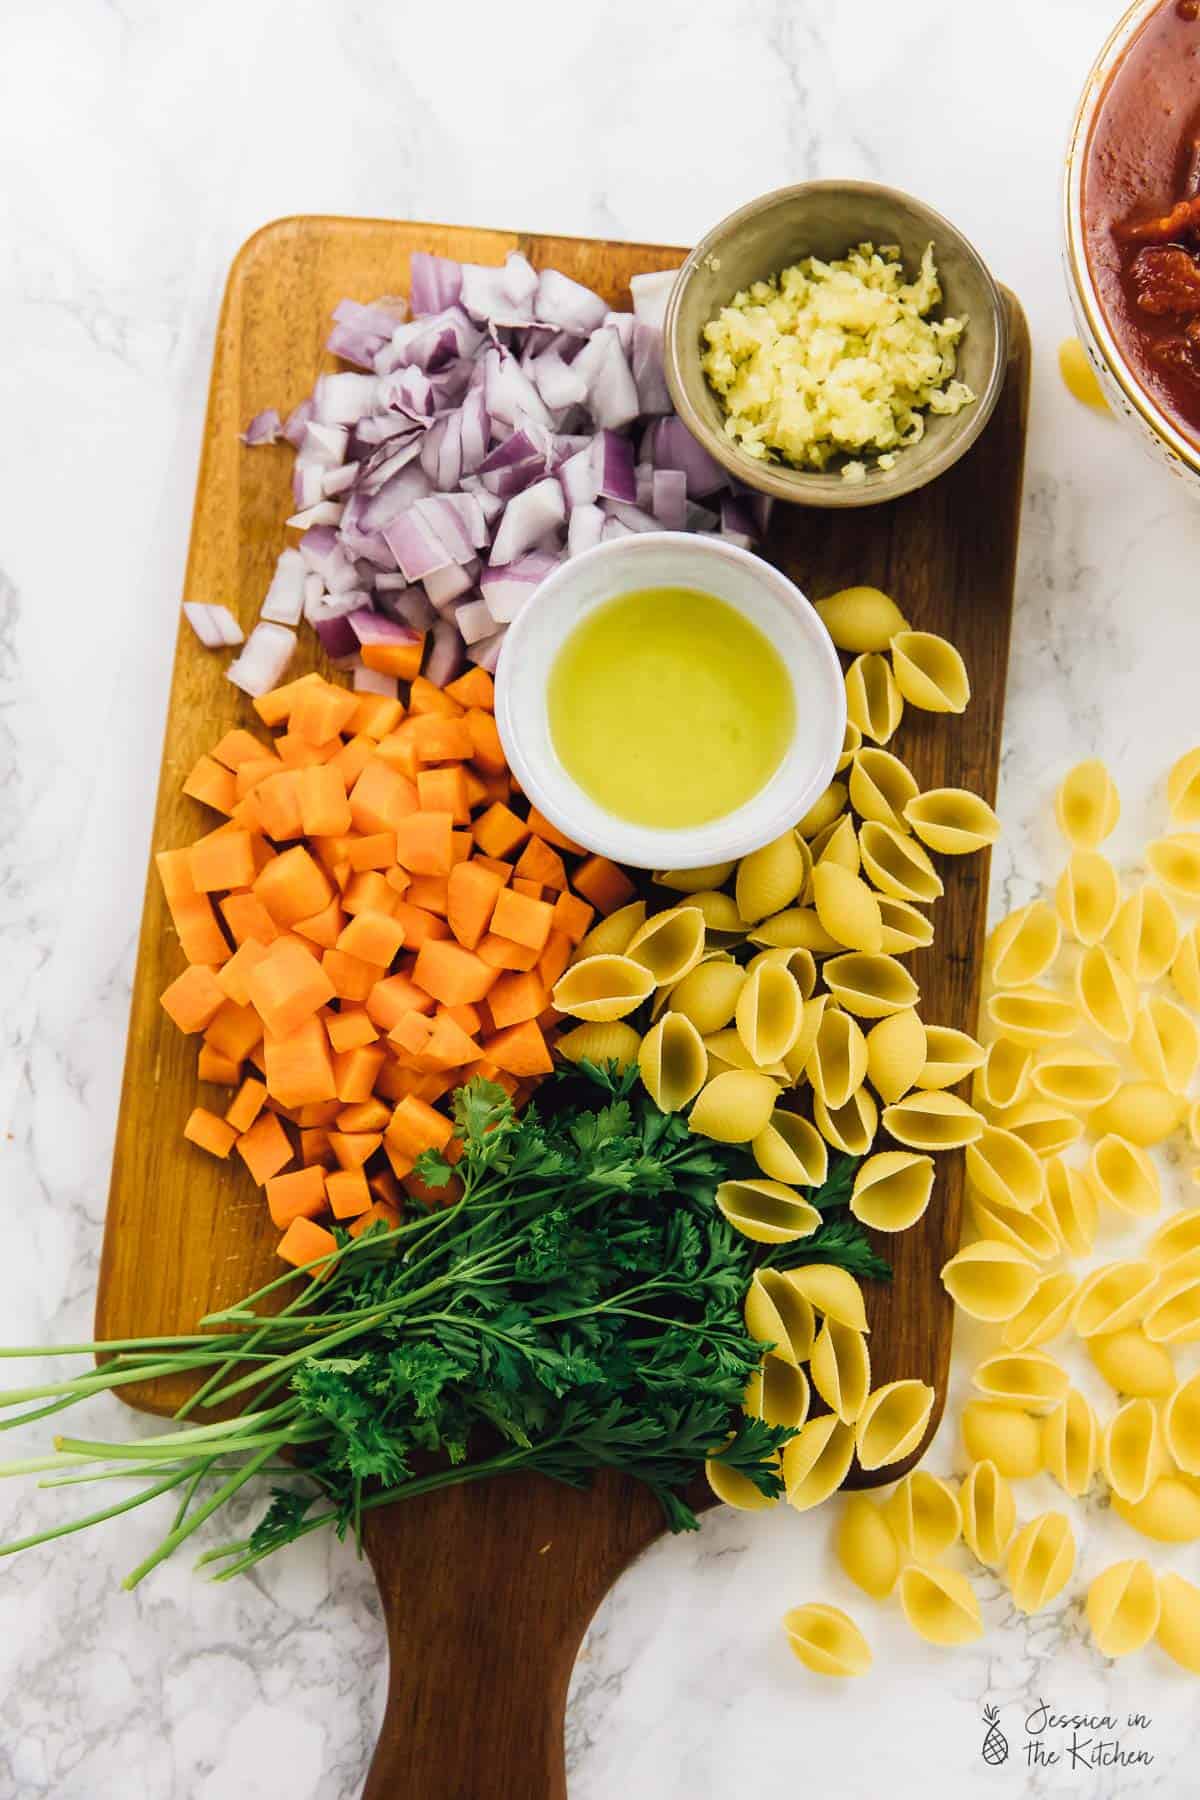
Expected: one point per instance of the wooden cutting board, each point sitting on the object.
(487, 1591)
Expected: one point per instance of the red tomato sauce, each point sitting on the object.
(1141, 209)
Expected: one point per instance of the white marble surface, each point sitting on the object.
(140, 142)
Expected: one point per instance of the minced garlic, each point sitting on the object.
(835, 359)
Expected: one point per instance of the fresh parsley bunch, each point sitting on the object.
(576, 1304)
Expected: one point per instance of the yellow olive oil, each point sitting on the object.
(669, 708)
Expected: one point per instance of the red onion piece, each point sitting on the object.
(284, 602)
(650, 294)
(584, 528)
(445, 654)
(528, 517)
(373, 681)
(215, 626)
(264, 659)
(474, 621)
(434, 282)
(374, 628)
(568, 304)
(264, 428)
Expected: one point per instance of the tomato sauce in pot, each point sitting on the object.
(1141, 209)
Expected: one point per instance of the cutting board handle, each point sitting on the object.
(487, 1592)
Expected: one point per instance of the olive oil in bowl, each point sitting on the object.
(669, 708)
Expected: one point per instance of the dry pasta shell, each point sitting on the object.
(873, 700)
(1106, 994)
(1023, 946)
(1072, 1204)
(734, 1107)
(798, 928)
(841, 1369)
(768, 1212)
(837, 1063)
(892, 1189)
(725, 1050)
(692, 881)
(953, 821)
(1178, 1237)
(817, 1460)
(777, 1392)
(1166, 1044)
(1087, 805)
(950, 1056)
(870, 986)
(898, 865)
(881, 786)
(1004, 1074)
(827, 1641)
(1005, 1170)
(669, 944)
(850, 1127)
(736, 1489)
(893, 1422)
(1183, 788)
(847, 908)
(1179, 1620)
(838, 843)
(603, 988)
(1071, 1443)
(851, 745)
(1076, 1077)
(1088, 896)
(1181, 1425)
(1124, 1175)
(924, 1515)
(798, 963)
(824, 810)
(1024, 1378)
(1174, 1315)
(769, 1013)
(790, 1149)
(1169, 1513)
(833, 1292)
(1132, 1365)
(988, 1512)
(673, 1062)
(1141, 1112)
(930, 673)
(1145, 935)
(796, 1060)
(861, 618)
(708, 995)
(771, 878)
(932, 1121)
(1047, 1129)
(1041, 1561)
(611, 936)
(1032, 1014)
(1003, 1435)
(1123, 1608)
(866, 1548)
(896, 1054)
(777, 1313)
(1131, 1450)
(600, 1044)
(1113, 1296)
(989, 1280)
(1185, 970)
(723, 924)
(940, 1605)
(1176, 862)
(1033, 1233)
(905, 927)
(1045, 1315)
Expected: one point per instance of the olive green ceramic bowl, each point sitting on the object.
(826, 219)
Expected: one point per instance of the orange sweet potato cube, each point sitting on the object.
(287, 986)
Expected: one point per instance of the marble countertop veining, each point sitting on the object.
(140, 143)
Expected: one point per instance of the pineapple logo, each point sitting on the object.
(995, 1744)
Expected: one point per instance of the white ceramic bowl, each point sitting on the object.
(756, 590)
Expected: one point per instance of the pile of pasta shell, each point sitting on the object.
(1091, 1063)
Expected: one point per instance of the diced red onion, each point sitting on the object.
(447, 524)
(408, 606)
(650, 294)
(700, 519)
(567, 304)
(342, 398)
(622, 324)
(381, 317)
(558, 383)
(668, 498)
(308, 482)
(356, 346)
(339, 481)
(528, 517)
(474, 621)
(395, 497)
(415, 545)
(264, 428)
(509, 392)
(338, 606)
(314, 593)
(443, 586)
(324, 444)
(374, 681)
(633, 516)
(491, 506)
(670, 445)
(284, 601)
(520, 278)
(616, 477)
(339, 640)
(325, 512)
(579, 478)
(646, 361)
(612, 393)
(215, 626)
(584, 528)
(434, 282)
(264, 659)
(445, 653)
(509, 589)
(297, 419)
(486, 653)
(737, 522)
(374, 628)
